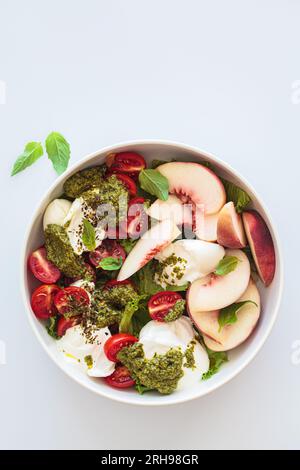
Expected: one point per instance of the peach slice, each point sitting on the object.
(230, 336)
(150, 244)
(230, 230)
(215, 292)
(193, 182)
(261, 245)
(206, 227)
(173, 209)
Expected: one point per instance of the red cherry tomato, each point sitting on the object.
(90, 272)
(137, 219)
(42, 301)
(115, 343)
(161, 303)
(120, 378)
(113, 283)
(108, 248)
(127, 181)
(71, 300)
(42, 268)
(130, 163)
(64, 324)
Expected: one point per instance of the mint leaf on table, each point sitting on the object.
(58, 150)
(216, 360)
(31, 153)
(237, 195)
(154, 183)
(110, 263)
(226, 265)
(227, 315)
(88, 235)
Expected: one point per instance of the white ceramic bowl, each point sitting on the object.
(239, 358)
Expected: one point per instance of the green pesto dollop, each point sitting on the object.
(189, 356)
(111, 192)
(176, 311)
(161, 373)
(108, 305)
(89, 361)
(84, 180)
(60, 252)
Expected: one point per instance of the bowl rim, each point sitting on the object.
(226, 166)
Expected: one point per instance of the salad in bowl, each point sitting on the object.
(150, 272)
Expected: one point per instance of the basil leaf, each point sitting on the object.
(58, 151)
(237, 195)
(140, 319)
(31, 153)
(51, 327)
(216, 360)
(110, 263)
(88, 235)
(227, 315)
(226, 265)
(144, 279)
(154, 183)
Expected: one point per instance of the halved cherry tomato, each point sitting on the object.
(160, 304)
(108, 248)
(114, 283)
(71, 300)
(42, 268)
(42, 301)
(127, 181)
(90, 277)
(137, 218)
(120, 378)
(64, 324)
(115, 343)
(130, 163)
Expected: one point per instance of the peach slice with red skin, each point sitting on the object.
(193, 182)
(230, 230)
(261, 245)
(183, 214)
(173, 209)
(151, 242)
(205, 226)
(232, 335)
(215, 292)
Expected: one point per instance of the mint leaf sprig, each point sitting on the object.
(226, 265)
(88, 235)
(154, 183)
(110, 263)
(31, 153)
(57, 148)
(228, 315)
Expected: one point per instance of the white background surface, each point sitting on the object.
(216, 74)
